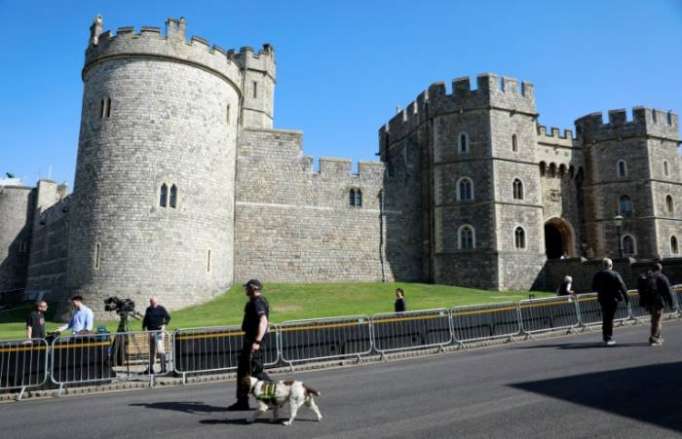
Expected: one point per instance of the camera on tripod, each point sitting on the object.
(119, 306)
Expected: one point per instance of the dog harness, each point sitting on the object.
(267, 392)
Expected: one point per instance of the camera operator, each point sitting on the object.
(83, 319)
(155, 319)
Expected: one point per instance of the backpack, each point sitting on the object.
(646, 287)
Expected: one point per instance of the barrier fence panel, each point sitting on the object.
(318, 339)
(137, 355)
(217, 349)
(481, 322)
(552, 313)
(412, 329)
(81, 359)
(590, 310)
(677, 298)
(23, 363)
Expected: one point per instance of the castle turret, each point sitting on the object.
(633, 170)
(258, 76)
(153, 207)
(16, 212)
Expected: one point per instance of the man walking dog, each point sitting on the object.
(255, 327)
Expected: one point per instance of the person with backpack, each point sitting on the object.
(610, 290)
(654, 293)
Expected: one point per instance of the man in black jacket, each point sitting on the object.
(155, 319)
(255, 327)
(661, 294)
(610, 290)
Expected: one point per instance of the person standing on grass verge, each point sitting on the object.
(610, 290)
(35, 323)
(399, 304)
(654, 293)
(83, 319)
(255, 327)
(155, 319)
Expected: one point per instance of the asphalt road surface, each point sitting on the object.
(569, 387)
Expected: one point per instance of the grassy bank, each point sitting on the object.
(301, 301)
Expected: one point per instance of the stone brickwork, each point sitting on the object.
(183, 187)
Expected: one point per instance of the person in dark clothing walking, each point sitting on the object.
(35, 323)
(399, 304)
(255, 327)
(155, 319)
(657, 294)
(610, 290)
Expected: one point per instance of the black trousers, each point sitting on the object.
(250, 364)
(608, 311)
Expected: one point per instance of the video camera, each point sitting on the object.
(120, 306)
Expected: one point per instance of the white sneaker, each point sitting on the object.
(611, 343)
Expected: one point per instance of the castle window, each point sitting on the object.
(625, 207)
(515, 146)
(666, 170)
(101, 109)
(255, 89)
(173, 196)
(629, 245)
(355, 198)
(227, 114)
(669, 204)
(543, 169)
(465, 189)
(518, 189)
(163, 202)
(97, 255)
(466, 238)
(520, 238)
(108, 109)
(208, 262)
(23, 247)
(463, 143)
(674, 249)
(622, 168)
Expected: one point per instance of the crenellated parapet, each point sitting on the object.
(492, 92)
(262, 61)
(644, 122)
(554, 136)
(172, 45)
(339, 168)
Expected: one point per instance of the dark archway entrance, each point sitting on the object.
(558, 239)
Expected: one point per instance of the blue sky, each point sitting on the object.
(343, 67)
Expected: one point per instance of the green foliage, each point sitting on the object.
(301, 301)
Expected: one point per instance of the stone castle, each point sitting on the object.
(183, 187)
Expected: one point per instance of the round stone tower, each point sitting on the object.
(153, 210)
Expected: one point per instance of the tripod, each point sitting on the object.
(121, 340)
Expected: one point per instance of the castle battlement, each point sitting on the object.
(343, 168)
(644, 121)
(554, 136)
(493, 91)
(173, 44)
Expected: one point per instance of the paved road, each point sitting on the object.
(561, 388)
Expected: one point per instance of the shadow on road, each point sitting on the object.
(182, 406)
(647, 393)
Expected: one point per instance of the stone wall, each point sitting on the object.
(16, 208)
(297, 225)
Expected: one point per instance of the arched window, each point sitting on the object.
(174, 196)
(463, 142)
(622, 168)
(466, 238)
(625, 207)
(674, 249)
(666, 169)
(669, 204)
(629, 245)
(543, 169)
(356, 198)
(518, 189)
(465, 189)
(520, 238)
(164, 195)
(515, 144)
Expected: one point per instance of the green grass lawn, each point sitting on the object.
(300, 301)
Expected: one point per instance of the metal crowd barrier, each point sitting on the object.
(216, 349)
(23, 364)
(484, 322)
(141, 355)
(80, 359)
(413, 329)
(548, 314)
(323, 339)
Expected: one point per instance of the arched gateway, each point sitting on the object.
(559, 238)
